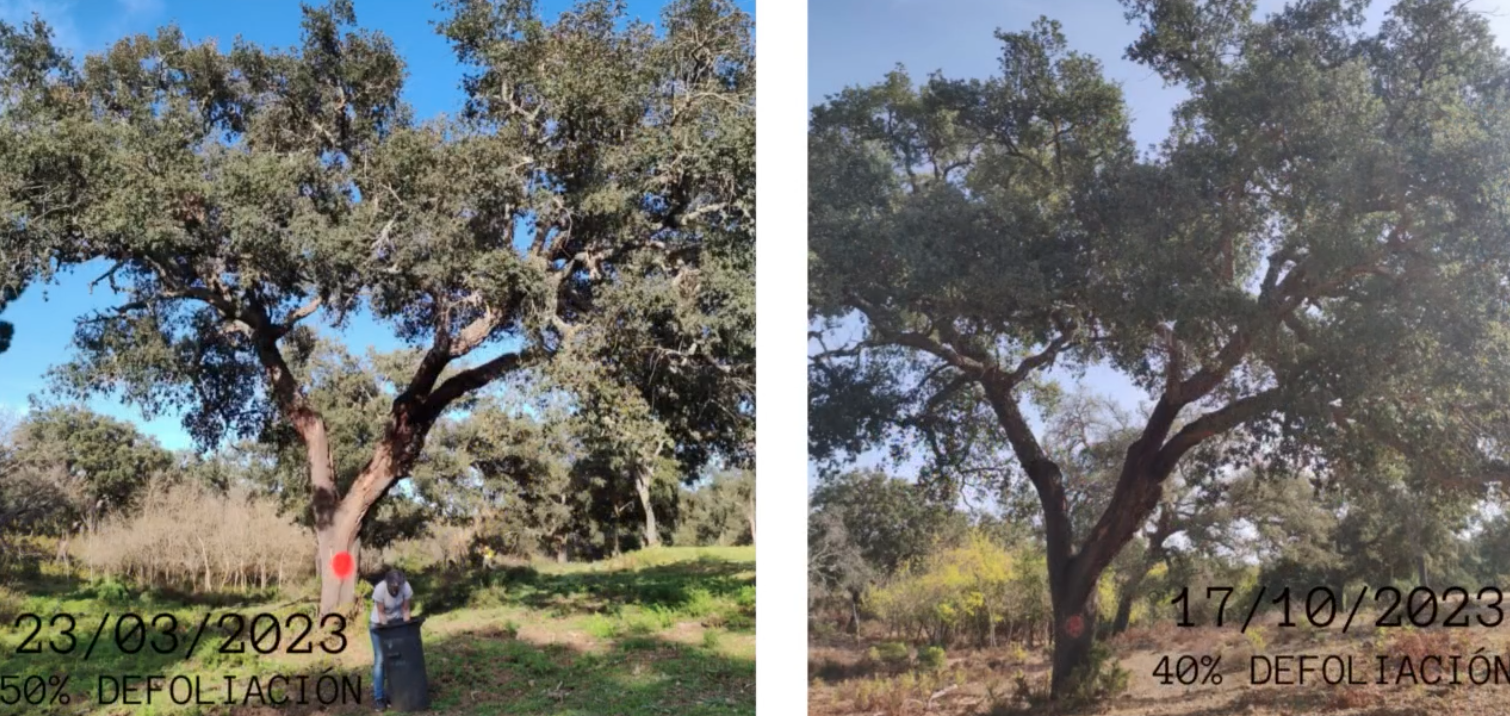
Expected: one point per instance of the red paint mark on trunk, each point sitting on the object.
(1074, 626)
(341, 564)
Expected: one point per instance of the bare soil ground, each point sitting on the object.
(844, 681)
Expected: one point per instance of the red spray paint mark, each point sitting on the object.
(1074, 626)
(342, 564)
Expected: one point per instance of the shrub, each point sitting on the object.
(891, 652)
(972, 590)
(601, 626)
(890, 695)
(112, 592)
(486, 598)
(1256, 639)
(932, 658)
(740, 622)
(700, 603)
(1101, 677)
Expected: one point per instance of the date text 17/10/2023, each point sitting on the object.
(1321, 607)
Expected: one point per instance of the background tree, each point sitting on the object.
(1297, 268)
(889, 520)
(7, 330)
(1400, 523)
(836, 567)
(720, 511)
(237, 197)
(65, 469)
(525, 463)
(101, 463)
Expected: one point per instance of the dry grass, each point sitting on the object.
(842, 682)
(187, 537)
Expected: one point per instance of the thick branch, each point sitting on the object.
(1212, 424)
(1044, 473)
(467, 381)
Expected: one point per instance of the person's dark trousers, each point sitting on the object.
(377, 668)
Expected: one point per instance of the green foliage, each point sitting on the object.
(968, 591)
(888, 520)
(890, 652)
(7, 331)
(588, 218)
(1297, 276)
(66, 468)
(711, 639)
(932, 658)
(719, 512)
(112, 592)
(1101, 677)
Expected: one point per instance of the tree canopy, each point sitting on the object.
(1311, 266)
(593, 204)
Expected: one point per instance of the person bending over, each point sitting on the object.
(390, 604)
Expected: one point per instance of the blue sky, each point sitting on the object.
(44, 316)
(856, 42)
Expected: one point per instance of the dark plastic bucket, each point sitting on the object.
(408, 687)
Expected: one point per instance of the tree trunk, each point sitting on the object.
(1074, 633)
(1162, 532)
(204, 556)
(642, 477)
(336, 592)
(751, 514)
(1124, 607)
(338, 522)
(1422, 580)
(854, 612)
(1073, 573)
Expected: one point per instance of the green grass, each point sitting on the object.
(668, 630)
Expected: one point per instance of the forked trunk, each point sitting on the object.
(339, 529)
(1073, 576)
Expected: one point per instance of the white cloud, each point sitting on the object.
(141, 7)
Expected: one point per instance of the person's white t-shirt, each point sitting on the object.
(392, 605)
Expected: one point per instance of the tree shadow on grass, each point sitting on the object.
(43, 582)
(481, 673)
(478, 671)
